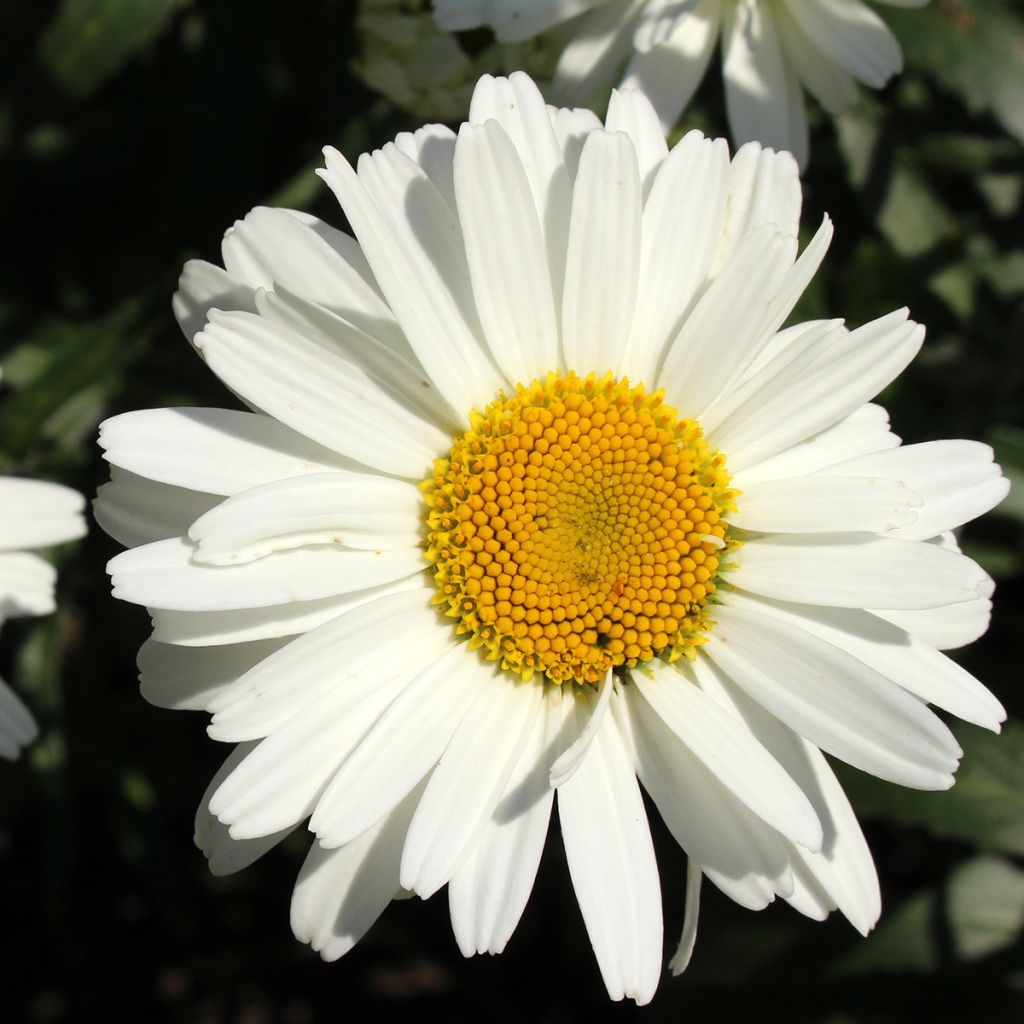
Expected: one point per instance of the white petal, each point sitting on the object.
(853, 35)
(682, 221)
(764, 188)
(402, 747)
(911, 663)
(313, 390)
(572, 757)
(603, 257)
(681, 959)
(506, 252)
(392, 367)
(819, 73)
(281, 781)
(458, 15)
(204, 286)
(572, 128)
(218, 451)
(834, 700)
(345, 657)
(516, 20)
(17, 726)
(201, 629)
(630, 111)
(832, 504)
(489, 889)
(762, 95)
(670, 73)
(304, 255)
(354, 510)
(856, 571)
(944, 628)
(728, 749)
(414, 244)
(517, 105)
(742, 855)
(224, 854)
(340, 893)
(134, 510)
(611, 862)
(721, 336)
(187, 679)
(433, 148)
(163, 575)
(468, 782)
(957, 482)
(819, 390)
(26, 585)
(843, 868)
(866, 429)
(36, 513)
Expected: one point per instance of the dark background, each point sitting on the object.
(132, 134)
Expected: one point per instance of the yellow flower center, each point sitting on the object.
(577, 526)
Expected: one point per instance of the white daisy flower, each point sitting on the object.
(536, 495)
(770, 50)
(33, 514)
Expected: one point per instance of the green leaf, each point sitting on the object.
(89, 41)
(985, 906)
(972, 48)
(986, 806)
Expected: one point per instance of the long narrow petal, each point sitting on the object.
(342, 657)
(603, 259)
(827, 504)
(833, 699)
(506, 252)
(36, 513)
(224, 854)
(589, 721)
(681, 959)
(488, 891)
(729, 750)
(313, 390)
(402, 748)
(892, 652)
(682, 221)
(428, 289)
(216, 451)
(611, 861)
(340, 893)
(856, 570)
(468, 782)
(189, 678)
(630, 111)
(356, 510)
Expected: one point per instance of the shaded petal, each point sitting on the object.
(506, 252)
(217, 451)
(17, 726)
(611, 861)
(468, 782)
(36, 513)
(603, 257)
(164, 575)
(224, 854)
(833, 699)
(26, 585)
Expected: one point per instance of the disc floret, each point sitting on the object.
(577, 525)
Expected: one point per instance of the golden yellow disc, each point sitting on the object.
(576, 526)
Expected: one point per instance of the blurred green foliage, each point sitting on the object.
(132, 133)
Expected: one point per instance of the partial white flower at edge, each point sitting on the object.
(33, 514)
(771, 51)
(535, 494)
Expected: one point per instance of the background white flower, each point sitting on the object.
(770, 49)
(33, 514)
(281, 551)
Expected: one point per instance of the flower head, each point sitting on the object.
(537, 494)
(33, 514)
(770, 50)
